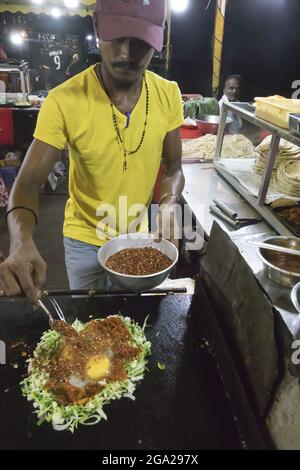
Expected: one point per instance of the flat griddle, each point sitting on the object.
(188, 405)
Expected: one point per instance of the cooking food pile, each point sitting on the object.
(203, 148)
(292, 215)
(79, 368)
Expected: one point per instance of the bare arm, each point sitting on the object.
(74, 61)
(173, 182)
(24, 269)
(172, 185)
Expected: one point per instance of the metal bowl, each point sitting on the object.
(137, 240)
(209, 124)
(279, 267)
(295, 296)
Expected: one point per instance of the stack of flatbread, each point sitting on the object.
(287, 178)
(286, 151)
(203, 148)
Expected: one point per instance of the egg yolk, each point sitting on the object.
(97, 367)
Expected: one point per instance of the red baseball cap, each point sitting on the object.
(141, 19)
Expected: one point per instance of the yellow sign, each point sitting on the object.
(218, 43)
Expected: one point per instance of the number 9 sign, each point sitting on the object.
(56, 59)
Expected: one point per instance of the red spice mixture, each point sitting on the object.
(138, 261)
(107, 336)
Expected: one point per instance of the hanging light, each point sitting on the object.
(71, 3)
(179, 6)
(16, 38)
(56, 12)
(89, 37)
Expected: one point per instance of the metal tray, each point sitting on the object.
(22, 106)
(7, 104)
(186, 406)
(294, 228)
(294, 123)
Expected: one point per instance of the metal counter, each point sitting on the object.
(203, 184)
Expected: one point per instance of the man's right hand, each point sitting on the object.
(24, 271)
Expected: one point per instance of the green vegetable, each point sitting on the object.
(70, 416)
(197, 106)
(161, 366)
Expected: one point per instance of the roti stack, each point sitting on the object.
(287, 178)
(286, 152)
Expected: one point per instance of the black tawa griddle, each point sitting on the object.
(197, 402)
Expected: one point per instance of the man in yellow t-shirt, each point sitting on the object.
(118, 120)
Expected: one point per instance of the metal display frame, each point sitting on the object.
(247, 113)
(19, 68)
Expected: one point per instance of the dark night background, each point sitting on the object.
(262, 43)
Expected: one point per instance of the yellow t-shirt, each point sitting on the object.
(78, 113)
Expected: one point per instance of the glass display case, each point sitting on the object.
(269, 179)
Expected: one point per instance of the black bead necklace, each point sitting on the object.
(116, 127)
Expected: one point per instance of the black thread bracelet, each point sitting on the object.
(24, 208)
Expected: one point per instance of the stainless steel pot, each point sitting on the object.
(209, 124)
(279, 267)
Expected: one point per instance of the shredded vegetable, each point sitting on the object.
(70, 416)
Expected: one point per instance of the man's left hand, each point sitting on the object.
(168, 222)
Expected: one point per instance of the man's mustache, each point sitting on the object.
(126, 65)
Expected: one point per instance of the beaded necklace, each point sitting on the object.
(116, 127)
